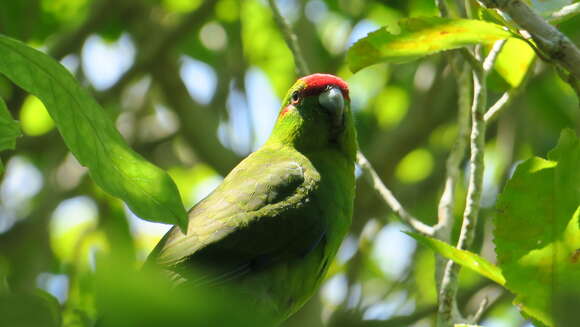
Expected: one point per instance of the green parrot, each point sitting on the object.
(274, 225)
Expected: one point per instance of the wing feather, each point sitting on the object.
(259, 215)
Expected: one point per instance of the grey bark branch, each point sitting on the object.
(448, 312)
(506, 99)
(374, 180)
(565, 13)
(549, 39)
(492, 56)
(453, 165)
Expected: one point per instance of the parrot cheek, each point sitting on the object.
(286, 110)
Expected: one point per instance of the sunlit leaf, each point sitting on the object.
(537, 234)
(227, 10)
(34, 118)
(91, 136)
(465, 258)
(421, 37)
(514, 61)
(181, 5)
(391, 105)
(9, 130)
(415, 166)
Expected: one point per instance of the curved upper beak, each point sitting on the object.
(332, 100)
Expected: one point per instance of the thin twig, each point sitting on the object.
(499, 105)
(471, 59)
(564, 13)
(291, 40)
(374, 180)
(453, 165)
(443, 10)
(480, 310)
(492, 55)
(548, 38)
(448, 313)
(506, 99)
(446, 219)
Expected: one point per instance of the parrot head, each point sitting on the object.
(316, 115)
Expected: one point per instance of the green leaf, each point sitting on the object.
(420, 37)
(130, 297)
(514, 60)
(492, 16)
(537, 234)
(9, 130)
(33, 308)
(465, 258)
(91, 136)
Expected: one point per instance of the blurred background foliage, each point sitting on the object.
(194, 86)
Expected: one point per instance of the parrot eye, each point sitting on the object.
(333, 101)
(295, 97)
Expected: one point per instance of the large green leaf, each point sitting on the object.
(91, 136)
(9, 130)
(32, 308)
(420, 37)
(465, 258)
(537, 234)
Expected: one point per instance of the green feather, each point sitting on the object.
(275, 223)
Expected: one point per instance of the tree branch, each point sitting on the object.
(506, 99)
(448, 313)
(492, 55)
(291, 40)
(374, 180)
(442, 6)
(565, 13)
(453, 165)
(549, 39)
